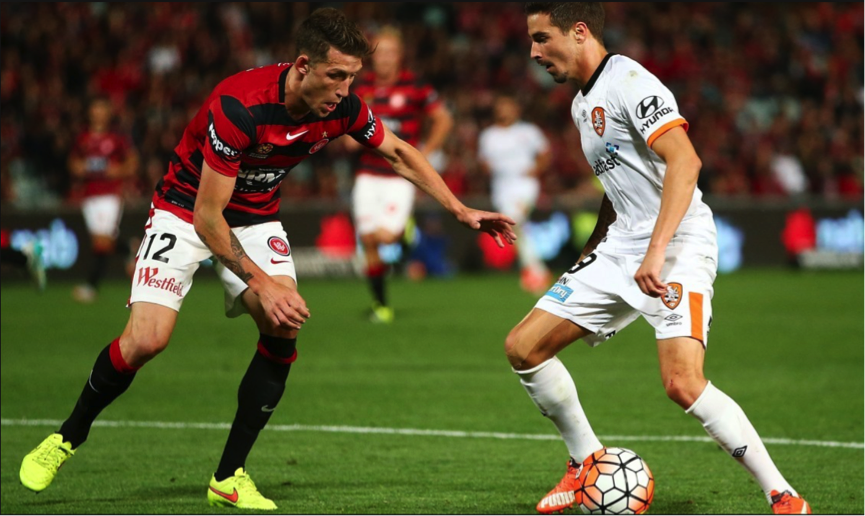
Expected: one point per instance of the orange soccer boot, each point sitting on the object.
(535, 282)
(562, 496)
(786, 503)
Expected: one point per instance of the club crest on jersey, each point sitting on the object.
(262, 150)
(318, 146)
(599, 120)
(106, 147)
(279, 246)
(673, 295)
(397, 100)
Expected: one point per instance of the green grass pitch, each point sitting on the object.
(788, 346)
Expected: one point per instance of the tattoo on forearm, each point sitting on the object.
(606, 216)
(232, 263)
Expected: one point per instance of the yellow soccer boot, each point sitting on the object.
(238, 491)
(40, 466)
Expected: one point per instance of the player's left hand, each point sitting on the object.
(648, 276)
(496, 225)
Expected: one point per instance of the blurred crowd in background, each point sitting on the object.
(773, 92)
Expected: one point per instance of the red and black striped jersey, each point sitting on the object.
(402, 107)
(98, 150)
(243, 130)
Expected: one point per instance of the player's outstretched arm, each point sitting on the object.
(411, 164)
(282, 304)
(680, 180)
(606, 216)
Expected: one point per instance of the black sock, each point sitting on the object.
(259, 393)
(103, 386)
(13, 257)
(376, 283)
(100, 262)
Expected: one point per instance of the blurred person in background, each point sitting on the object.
(29, 257)
(515, 153)
(100, 161)
(382, 201)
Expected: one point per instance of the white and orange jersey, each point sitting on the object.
(620, 113)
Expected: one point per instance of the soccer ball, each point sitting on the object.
(615, 481)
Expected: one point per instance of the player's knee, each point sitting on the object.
(369, 240)
(515, 348)
(102, 244)
(387, 238)
(684, 389)
(266, 327)
(142, 345)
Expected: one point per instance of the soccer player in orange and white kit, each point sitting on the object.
(100, 162)
(220, 197)
(653, 252)
(382, 200)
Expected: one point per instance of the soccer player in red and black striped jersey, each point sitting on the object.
(381, 199)
(100, 161)
(220, 198)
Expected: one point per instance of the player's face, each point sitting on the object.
(387, 56)
(100, 113)
(551, 48)
(326, 84)
(506, 111)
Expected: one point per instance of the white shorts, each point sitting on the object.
(601, 295)
(171, 252)
(102, 214)
(516, 197)
(381, 203)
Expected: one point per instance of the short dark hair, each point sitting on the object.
(565, 14)
(329, 27)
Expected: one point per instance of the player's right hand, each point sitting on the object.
(496, 225)
(283, 305)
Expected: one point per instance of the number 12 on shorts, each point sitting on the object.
(158, 255)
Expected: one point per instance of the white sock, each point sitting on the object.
(726, 422)
(553, 391)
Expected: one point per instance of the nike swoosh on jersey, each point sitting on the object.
(231, 498)
(278, 261)
(289, 136)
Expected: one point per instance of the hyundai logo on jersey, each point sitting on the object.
(648, 106)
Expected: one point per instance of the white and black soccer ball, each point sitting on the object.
(615, 481)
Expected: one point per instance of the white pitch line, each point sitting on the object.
(180, 425)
